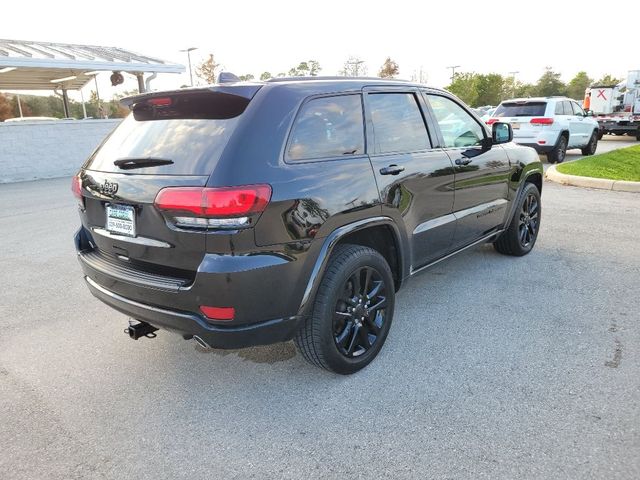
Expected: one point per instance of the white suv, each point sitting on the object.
(551, 125)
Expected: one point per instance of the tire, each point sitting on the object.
(345, 331)
(521, 234)
(559, 151)
(638, 135)
(591, 147)
(600, 135)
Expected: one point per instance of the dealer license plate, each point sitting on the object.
(121, 219)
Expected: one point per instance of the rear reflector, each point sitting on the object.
(218, 313)
(542, 121)
(215, 202)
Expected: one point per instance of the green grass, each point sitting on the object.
(622, 164)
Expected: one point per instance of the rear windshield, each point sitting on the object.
(521, 109)
(170, 139)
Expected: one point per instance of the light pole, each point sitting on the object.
(513, 77)
(189, 50)
(453, 71)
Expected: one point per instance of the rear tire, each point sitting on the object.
(352, 311)
(559, 152)
(591, 147)
(521, 234)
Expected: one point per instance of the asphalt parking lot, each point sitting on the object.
(495, 368)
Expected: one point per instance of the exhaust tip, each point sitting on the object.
(201, 342)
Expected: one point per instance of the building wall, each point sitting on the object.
(48, 149)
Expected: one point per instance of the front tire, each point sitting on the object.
(352, 311)
(521, 234)
(590, 148)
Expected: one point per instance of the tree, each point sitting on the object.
(489, 88)
(465, 87)
(246, 77)
(550, 84)
(6, 109)
(389, 69)
(265, 76)
(310, 68)
(207, 70)
(607, 80)
(353, 67)
(578, 84)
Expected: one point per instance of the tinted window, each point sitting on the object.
(398, 125)
(328, 127)
(577, 109)
(521, 109)
(194, 146)
(458, 128)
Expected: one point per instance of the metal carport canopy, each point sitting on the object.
(27, 65)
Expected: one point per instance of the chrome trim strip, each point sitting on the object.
(482, 240)
(480, 208)
(435, 223)
(148, 242)
(149, 308)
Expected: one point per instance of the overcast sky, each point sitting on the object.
(255, 36)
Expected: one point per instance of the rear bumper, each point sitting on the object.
(265, 288)
(541, 142)
(261, 333)
(538, 148)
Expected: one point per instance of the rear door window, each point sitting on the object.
(398, 125)
(521, 109)
(328, 127)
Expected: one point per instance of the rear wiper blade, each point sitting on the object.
(134, 162)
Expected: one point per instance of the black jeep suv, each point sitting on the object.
(242, 214)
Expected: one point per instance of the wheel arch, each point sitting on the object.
(380, 233)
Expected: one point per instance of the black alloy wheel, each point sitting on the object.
(360, 312)
(529, 220)
(352, 311)
(521, 234)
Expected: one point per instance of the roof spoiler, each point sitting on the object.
(246, 91)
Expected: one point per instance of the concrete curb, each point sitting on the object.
(590, 182)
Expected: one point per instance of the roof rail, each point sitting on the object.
(301, 79)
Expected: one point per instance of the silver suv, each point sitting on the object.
(551, 125)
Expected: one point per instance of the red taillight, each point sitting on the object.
(542, 121)
(76, 188)
(491, 121)
(215, 202)
(225, 207)
(160, 101)
(218, 313)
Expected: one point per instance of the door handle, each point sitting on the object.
(391, 170)
(463, 161)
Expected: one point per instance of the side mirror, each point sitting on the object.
(588, 113)
(501, 133)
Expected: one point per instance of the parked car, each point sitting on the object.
(251, 213)
(551, 125)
